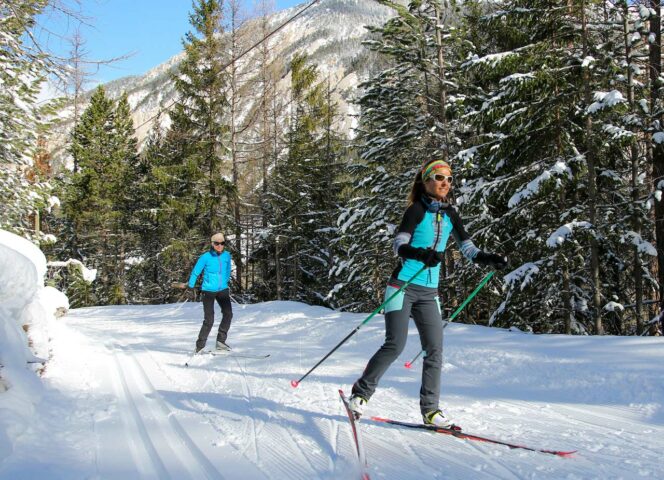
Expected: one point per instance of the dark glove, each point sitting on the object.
(427, 256)
(491, 260)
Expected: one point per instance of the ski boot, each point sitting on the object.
(222, 347)
(356, 404)
(438, 419)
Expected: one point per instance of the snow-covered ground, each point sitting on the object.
(118, 402)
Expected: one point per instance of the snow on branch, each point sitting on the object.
(524, 274)
(467, 155)
(605, 99)
(643, 246)
(491, 60)
(613, 306)
(534, 186)
(563, 233)
(88, 274)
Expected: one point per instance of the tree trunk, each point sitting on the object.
(655, 69)
(592, 184)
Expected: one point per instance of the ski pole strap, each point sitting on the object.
(487, 277)
(295, 383)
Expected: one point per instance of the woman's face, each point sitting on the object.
(438, 189)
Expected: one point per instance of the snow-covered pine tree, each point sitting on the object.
(22, 70)
(533, 168)
(624, 205)
(407, 117)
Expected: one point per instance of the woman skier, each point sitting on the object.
(420, 241)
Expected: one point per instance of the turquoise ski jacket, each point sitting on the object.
(428, 224)
(216, 269)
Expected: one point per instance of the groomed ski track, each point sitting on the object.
(142, 414)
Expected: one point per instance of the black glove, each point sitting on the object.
(491, 260)
(427, 256)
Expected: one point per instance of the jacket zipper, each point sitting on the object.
(439, 219)
(220, 273)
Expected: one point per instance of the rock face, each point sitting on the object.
(330, 33)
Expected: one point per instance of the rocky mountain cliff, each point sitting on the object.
(330, 33)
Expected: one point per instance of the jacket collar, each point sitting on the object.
(434, 205)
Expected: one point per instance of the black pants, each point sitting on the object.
(223, 298)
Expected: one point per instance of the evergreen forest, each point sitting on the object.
(550, 114)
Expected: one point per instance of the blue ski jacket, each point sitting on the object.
(428, 224)
(216, 269)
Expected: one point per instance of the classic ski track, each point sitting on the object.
(246, 427)
(248, 394)
(210, 420)
(135, 422)
(175, 431)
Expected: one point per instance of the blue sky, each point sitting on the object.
(150, 29)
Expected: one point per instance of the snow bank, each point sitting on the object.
(24, 304)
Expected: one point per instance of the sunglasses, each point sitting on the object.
(218, 243)
(439, 177)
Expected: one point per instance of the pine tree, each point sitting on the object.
(407, 117)
(198, 137)
(534, 166)
(303, 198)
(22, 70)
(97, 198)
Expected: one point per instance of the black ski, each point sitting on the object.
(467, 436)
(356, 437)
(215, 353)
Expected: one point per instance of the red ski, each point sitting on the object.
(467, 436)
(356, 438)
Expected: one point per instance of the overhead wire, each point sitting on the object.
(255, 45)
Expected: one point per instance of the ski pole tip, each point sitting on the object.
(407, 364)
(294, 383)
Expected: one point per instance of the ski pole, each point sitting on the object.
(295, 383)
(182, 286)
(487, 277)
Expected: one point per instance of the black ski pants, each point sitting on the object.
(223, 298)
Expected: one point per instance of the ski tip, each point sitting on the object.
(379, 419)
(294, 383)
(408, 365)
(566, 454)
